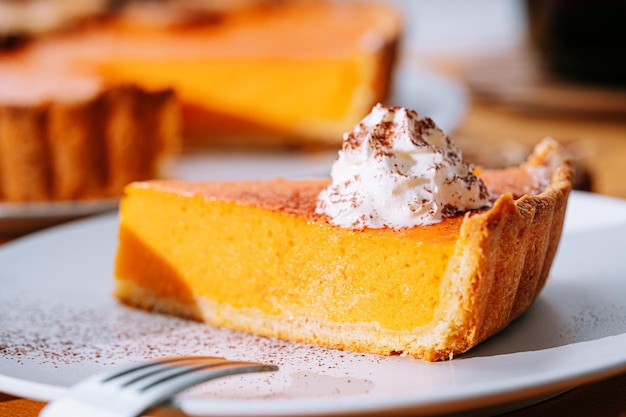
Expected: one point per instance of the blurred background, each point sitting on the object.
(496, 75)
(458, 28)
(532, 69)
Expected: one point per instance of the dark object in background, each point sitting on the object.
(581, 39)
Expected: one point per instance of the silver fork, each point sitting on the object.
(131, 390)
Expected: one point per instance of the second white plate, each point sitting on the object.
(21, 218)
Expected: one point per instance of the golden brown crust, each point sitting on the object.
(88, 148)
(75, 136)
(24, 165)
(504, 256)
(499, 264)
(141, 129)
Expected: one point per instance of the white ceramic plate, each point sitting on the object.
(20, 218)
(59, 324)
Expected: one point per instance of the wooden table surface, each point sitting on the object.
(600, 145)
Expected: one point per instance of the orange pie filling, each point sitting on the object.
(291, 266)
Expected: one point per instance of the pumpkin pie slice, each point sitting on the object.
(258, 257)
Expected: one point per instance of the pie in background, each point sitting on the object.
(253, 73)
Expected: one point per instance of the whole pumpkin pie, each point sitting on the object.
(407, 250)
(262, 72)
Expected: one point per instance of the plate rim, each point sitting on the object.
(510, 393)
(53, 209)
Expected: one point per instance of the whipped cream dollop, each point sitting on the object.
(398, 170)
